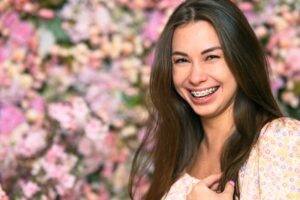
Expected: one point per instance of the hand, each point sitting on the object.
(205, 189)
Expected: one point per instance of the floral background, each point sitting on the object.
(73, 76)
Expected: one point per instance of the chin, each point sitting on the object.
(206, 113)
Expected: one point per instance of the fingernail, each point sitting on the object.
(231, 183)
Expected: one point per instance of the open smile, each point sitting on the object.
(204, 93)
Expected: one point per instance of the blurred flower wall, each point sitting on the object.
(73, 76)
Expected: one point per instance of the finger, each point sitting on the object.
(229, 188)
(211, 180)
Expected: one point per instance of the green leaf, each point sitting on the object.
(52, 3)
(293, 112)
(54, 26)
(132, 101)
(296, 89)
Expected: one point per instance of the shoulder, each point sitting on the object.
(279, 137)
(281, 127)
(278, 159)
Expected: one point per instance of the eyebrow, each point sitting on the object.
(203, 52)
(210, 49)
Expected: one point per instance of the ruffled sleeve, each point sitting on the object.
(278, 152)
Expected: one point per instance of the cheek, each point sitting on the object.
(176, 78)
(231, 85)
(179, 76)
(177, 82)
(231, 80)
(228, 76)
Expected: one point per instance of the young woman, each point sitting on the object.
(215, 128)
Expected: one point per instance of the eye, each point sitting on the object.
(180, 60)
(212, 57)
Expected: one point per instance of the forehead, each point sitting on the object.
(195, 35)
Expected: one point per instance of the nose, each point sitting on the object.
(197, 75)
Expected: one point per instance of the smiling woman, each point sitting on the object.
(200, 73)
(216, 130)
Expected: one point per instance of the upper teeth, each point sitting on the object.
(203, 93)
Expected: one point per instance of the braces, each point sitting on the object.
(204, 93)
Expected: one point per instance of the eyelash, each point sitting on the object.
(211, 57)
(208, 58)
(180, 60)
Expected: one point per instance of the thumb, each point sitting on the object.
(229, 187)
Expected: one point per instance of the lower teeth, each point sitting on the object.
(204, 95)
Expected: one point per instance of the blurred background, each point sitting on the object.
(73, 76)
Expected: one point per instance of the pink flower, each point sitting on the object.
(57, 162)
(4, 54)
(95, 129)
(108, 170)
(276, 84)
(46, 13)
(38, 104)
(58, 165)
(293, 62)
(64, 183)
(29, 189)
(169, 4)
(18, 4)
(80, 110)
(103, 193)
(85, 146)
(4, 79)
(9, 19)
(150, 58)
(290, 99)
(248, 10)
(281, 39)
(55, 152)
(87, 76)
(142, 187)
(10, 118)
(3, 195)
(122, 157)
(21, 33)
(70, 115)
(12, 94)
(153, 27)
(110, 139)
(93, 162)
(67, 181)
(102, 17)
(102, 103)
(63, 114)
(33, 142)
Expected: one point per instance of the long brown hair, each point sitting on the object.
(175, 130)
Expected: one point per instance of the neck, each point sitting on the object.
(216, 131)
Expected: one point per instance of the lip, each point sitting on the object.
(203, 100)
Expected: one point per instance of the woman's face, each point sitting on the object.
(200, 74)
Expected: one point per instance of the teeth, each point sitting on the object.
(203, 93)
